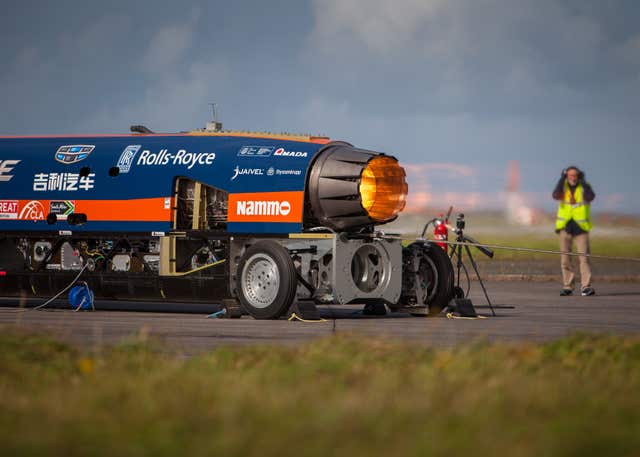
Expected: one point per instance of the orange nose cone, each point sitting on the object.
(383, 189)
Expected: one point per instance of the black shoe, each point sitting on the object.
(566, 292)
(588, 291)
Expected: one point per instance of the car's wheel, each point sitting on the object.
(436, 276)
(266, 281)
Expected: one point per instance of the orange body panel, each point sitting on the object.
(266, 207)
(142, 209)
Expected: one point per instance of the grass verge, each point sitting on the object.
(342, 395)
(602, 245)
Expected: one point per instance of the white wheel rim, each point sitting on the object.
(260, 280)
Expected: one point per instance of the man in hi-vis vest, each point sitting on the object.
(573, 223)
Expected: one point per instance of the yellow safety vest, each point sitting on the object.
(580, 211)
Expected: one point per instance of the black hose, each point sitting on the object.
(424, 230)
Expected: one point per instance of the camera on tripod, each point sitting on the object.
(462, 245)
(460, 222)
(461, 237)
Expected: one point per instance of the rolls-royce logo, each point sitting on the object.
(70, 154)
(126, 158)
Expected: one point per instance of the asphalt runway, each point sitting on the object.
(526, 311)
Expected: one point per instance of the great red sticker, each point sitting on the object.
(9, 209)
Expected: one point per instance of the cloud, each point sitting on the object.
(94, 41)
(168, 46)
(490, 58)
(628, 53)
(177, 86)
(174, 102)
(612, 202)
(380, 25)
(449, 169)
(50, 87)
(442, 184)
(418, 202)
(440, 84)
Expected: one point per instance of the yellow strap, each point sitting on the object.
(209, 265)
(295, 317)
(451, 316)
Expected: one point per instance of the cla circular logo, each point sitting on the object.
(32, 211)
(270, 171)
(285, 208)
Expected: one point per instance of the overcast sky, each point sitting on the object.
(453, 88)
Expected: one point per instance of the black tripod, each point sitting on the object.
(457, 251)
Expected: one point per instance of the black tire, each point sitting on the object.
(266, 280)
(440, 284)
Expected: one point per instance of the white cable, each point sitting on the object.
(545, 251)
(62, 291)
(517, 248)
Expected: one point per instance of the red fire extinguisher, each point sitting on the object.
(440, 231)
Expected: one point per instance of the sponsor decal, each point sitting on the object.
(256, 151)
(157, 233)
(182, 158)
(263, 208)
(67, 182)
(288, 172)
(126, 158)
(32, 211)
(142, 209)
(8, 209)
(167, 202)
(237, 171)
(278, 172)
(62, 208)
(281, 152)
(266, 207)
(6, 167)
(70, 154)
(271, 171)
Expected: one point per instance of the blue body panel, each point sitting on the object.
(49, 168)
